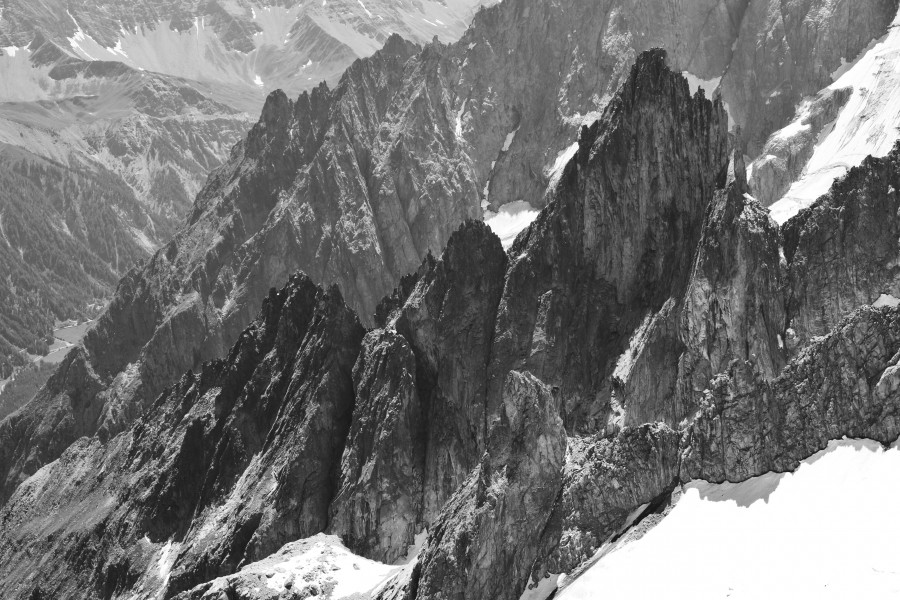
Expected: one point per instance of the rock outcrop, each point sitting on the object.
(606, 480)
(475, 549)
(734, 308)
(379, 505)
(447, 323)
(842, 252)
(845, 384)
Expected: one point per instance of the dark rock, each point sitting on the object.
(606, 480)
(734, 307)
(846, 384)
(482, 545)
(621, 231)
(378, 507)
(842, 251)
(354, 185)
(226, 466)
(449, 322)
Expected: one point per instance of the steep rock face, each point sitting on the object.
(147, 100)
(447, 322)
(275, 467)
(842, 251)
(846, 384)
(65, 410)
(642, 463)
(622, 231)
(379, 504)
(731, 311)
(479, 547)
(226, 467)
(215, 474)
(734, 307)
(606, 479)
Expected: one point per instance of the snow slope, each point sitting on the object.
(319, 566)
(828, 530)
(869, 123)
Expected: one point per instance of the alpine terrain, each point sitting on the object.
(589, 299)
(113, 113)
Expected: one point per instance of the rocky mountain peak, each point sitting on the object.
(514, 411)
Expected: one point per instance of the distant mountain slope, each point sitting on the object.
(153, 96)
(133, 147)
(265, 44)
(65, 235)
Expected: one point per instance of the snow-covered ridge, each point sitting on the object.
(824, 531)
(868, 124)
(320, 566)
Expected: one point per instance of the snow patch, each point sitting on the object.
(77, 41)
(709, 86)
(459, 118)
(511, 219)
(509, 139)
(562, 159)
(543, 588)
(258, 81)
(118, 49)
(165, 562)
(868, 124)
(824, 531)
(886, 300)
(322, 560)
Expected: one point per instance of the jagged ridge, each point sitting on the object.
(493, 443)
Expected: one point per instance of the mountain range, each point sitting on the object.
(689, 303)
(137, 103)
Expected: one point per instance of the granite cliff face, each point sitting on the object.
(842, 251)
